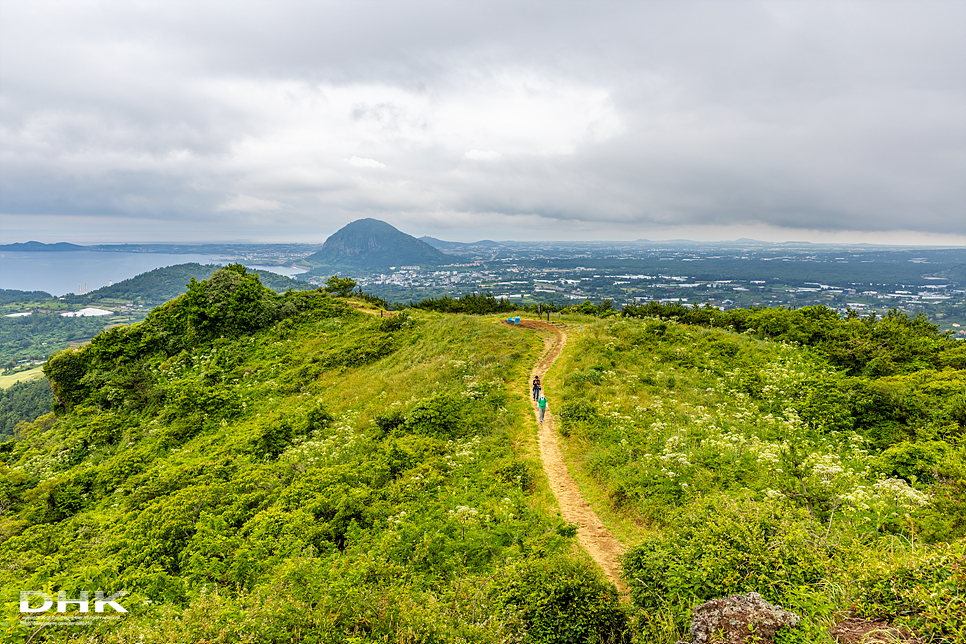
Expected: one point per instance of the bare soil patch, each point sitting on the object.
(596, 539)
(861, 631)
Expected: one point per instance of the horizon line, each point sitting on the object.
(741, 240)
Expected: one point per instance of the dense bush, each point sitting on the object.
(561, 601)
(230, 303)
(577, 411)
(477, 303)
(441, 416)
(604, 308)
(929, 591)
(724, 545)
(871, 346)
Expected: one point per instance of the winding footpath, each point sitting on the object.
(596, 539)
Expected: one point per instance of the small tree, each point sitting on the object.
(341, 286)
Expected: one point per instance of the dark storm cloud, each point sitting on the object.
(491, 117)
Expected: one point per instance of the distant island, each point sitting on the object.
(40, 247)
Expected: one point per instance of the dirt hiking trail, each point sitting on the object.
(597, 540)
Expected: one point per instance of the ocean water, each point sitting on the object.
(287, 271)
(74, 272)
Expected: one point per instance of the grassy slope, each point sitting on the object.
(21, 376)
(684, 437)
(236, 510)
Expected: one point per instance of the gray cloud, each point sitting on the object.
(288, 119)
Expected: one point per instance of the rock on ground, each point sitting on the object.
(738, 619)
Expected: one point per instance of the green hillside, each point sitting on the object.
(168, 282)
(825, 470)
(261, 467)
(12, 295)
(45, 331)
(36, 336)
(275, 468)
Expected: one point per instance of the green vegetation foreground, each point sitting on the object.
(276, 468)
(259, 467)
(825, 470)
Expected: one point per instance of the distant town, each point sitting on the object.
(842, 278)
(859, 278)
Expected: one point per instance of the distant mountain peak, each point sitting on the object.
(456, 246)
(373, 245)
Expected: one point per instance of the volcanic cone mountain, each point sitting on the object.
(370, 245)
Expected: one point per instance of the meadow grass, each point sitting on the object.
(320, 480)
(659, 420)
(8, 380)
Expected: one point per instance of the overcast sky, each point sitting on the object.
(283, 121)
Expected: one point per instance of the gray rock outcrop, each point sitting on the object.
(738, 619)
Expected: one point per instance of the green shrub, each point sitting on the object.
(516, 473)
(826, 406)
(577, 411)
(102, 429)
(231, 302)
(65, 369)
(475, 303)
(181, 429)
(341, 286)
(561, 601)
(722, 546)
(442, 416)
(913, 461)
(118, 470)
(395, 323)
(190, 396)
(356, 350)
(272, 438)
(390, 421)
(278, 432)
(926, 593)
(318, 418)
(118, 368)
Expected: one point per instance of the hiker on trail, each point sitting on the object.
(542, 403)
(536, 387)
